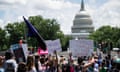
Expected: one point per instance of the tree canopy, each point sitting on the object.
(107, 34)
(49, 29)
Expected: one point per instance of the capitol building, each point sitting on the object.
(82, 24)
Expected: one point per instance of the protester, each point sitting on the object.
(54, 63)
(1, 64)
(102, 67)
(30, 64)
(79, 67)
(21, 67)
(42, 67)
(96, 65)
(10, 64)
(37, 62)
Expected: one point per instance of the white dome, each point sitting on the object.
(82, 14)
(82, 23)
(83, 17)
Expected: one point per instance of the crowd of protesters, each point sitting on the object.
(51, 63)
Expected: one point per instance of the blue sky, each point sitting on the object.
(102, 12)
(2, 13)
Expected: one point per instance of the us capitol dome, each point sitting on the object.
(82, 24)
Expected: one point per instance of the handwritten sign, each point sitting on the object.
(53, 45)
(81, 47)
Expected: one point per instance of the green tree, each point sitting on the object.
(106, 34)
(49, 29)
(2, 38)
(65, 42)
(15, 32)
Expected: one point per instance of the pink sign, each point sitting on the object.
(41, 52)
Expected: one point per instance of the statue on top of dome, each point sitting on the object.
(82, 5)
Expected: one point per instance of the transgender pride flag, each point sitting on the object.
(42, 52)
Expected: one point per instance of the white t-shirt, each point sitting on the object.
(13, 62)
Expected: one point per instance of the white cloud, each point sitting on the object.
(63, 11)
(10, 2)
(58, 9)
(51, 4)
(1, 23)
(108, 14)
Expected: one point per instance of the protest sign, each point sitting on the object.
(53, 45)
(81, 47)
(20, 52)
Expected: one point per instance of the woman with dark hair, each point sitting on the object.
(30, 64)
(21, 67)
(8, 55)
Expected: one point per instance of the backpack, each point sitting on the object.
(9, 67)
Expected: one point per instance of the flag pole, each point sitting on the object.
(25, 33)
